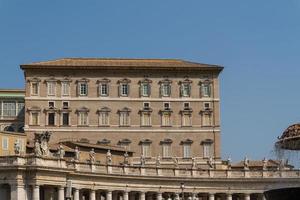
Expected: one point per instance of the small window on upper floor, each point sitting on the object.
(5, 143)
(65, 104)
(146, 105)
(103, 89)
(186, 105)
(167, 106)
(165, 88)
(124, 89)
(51, 104)
(206, 88)
(83, 89)
(65, 88)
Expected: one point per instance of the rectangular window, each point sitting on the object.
(185, 90)
(186, 119)
(206, 90)
(65, 104)
(146, 119)
(166, 151)
(65, 119)
(20, 109)
(206, 150)
(206, 106)
(124, 119)
(103, 89)
(124, 89)
(4, 143)
(166, 119)
(186, 105)
(9, 108)
(165, 90)
(34, 88)
(145, 89)
(51, 88)
(65, 88)
(51, 119)
(51, 104)
(83, 119)
(83, 89)
(206, 119)
(146, 150)
(34, 118)
(187, 151)
(167, 106)
(103, 119)
(146, 105)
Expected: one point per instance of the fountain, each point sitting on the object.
(289, 141)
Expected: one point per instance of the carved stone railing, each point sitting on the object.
(61, 164)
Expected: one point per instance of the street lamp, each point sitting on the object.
(182, 186)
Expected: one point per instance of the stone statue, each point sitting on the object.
(210, 163)
(281, 164)
(37, 148)
(92, 155)
(77, 154)
(176, 162)
(126, 160)
(17, 148)
(158, 161)
(265, 163)
(229, 162)
(61, 151)
(246, 163)
(108, 158)
(194, 164)
(41, 141)
(143, 161)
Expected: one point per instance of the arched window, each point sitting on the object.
(9, 128)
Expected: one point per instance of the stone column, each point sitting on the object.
(211, 196)
(142, 196)
(246, 196)
(36, 192)
(125, 195)
(17, 192)
(228, 196)
(109, 195)
(159, 196)
(76, 194)
(61, 193)
(177, 196)
(92, 195)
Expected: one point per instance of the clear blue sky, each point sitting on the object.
(256, 41)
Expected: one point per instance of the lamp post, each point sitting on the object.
(182, 186)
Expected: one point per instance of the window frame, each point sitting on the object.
(7, 143)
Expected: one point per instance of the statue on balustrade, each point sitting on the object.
(229, 162)
(158, 161)
(176, 162)
(246, 163)
(143, 160)
(61, 151)
(77, 154)
(194, 164)
(126, 159)
(92, 155)
(41, 144)
(210, 163)
(265, 163)
(108, 158)
(17, 148)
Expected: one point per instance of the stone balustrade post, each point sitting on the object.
(228, 173)
(76, 194)
(211, 173)
(158, 171)
(36, 192)
(142, 170)
(109, 169)
(177, 196)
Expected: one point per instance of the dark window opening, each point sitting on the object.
(51, 119)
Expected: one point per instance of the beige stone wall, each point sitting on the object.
(135, 132)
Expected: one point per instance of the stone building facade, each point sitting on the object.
(154, 107)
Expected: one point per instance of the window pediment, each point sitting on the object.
(165, 81)
(146, 80)
(104, 109)
(66, 79)
(125, 109)
(207, 141)
(34, 80)
(185, 81)
(104, 80)
(124, 80)
(34, 108)
(206, 81)
(51, 79)
(83, 80)
(145, 141)
(82, 109)
(166, 141)
(104, 141)
(124, 141)
(187, 141)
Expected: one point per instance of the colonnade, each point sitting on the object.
(37, 192)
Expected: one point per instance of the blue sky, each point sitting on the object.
(256, 41)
